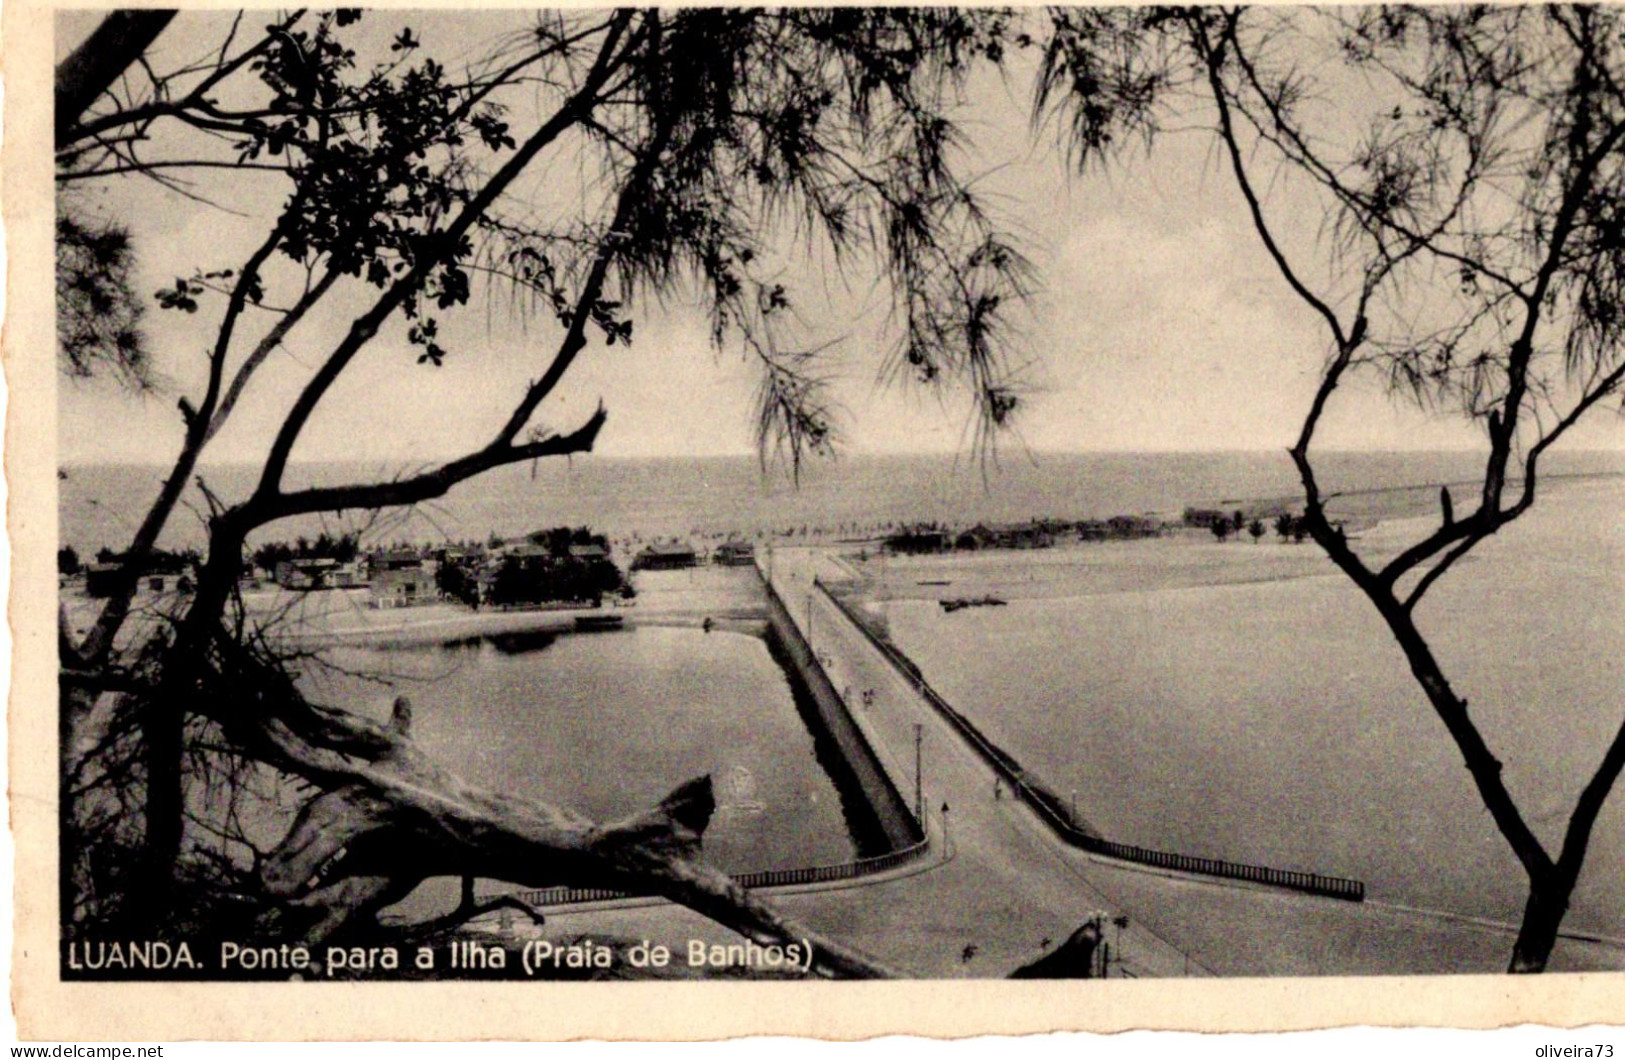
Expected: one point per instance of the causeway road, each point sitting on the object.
(998, 887)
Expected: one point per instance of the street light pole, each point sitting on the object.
(919, 785)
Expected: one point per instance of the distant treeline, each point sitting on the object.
(1236, 523)
(340, 549)
(930, 537)
(560, 564)
(156, 561)
(1040, 533)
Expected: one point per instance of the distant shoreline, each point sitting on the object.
(1512, 484)
(636, 501)
(1184, 559)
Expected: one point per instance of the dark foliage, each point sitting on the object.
(341, 548)
(98, 321)
(553, 579)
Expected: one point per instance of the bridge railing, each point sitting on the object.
(1063, 820)
(845, 870)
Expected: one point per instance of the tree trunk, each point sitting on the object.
(391, 817)
(1550, 882)
(215, 582)
(86, 73)
(164, 727)
(162, 734)
(1542, 915)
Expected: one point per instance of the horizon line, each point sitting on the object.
(969, 457)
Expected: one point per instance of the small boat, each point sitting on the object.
(594, 623)
(963, 602)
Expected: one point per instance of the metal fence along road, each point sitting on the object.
(846, 870)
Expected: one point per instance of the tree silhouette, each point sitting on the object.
(717, 139)
(1470, 174)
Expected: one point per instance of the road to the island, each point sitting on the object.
(1008, 885)
(999, 887)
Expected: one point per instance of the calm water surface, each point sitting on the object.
(608, 724)
(1276, 722)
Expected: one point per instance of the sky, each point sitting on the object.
(1159, 323)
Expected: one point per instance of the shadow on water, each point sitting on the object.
(862, 822)
(520, 642)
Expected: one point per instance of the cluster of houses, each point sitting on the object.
(107, 577)
(409, 576)
(395, 577)
(679, 555)
(557, 565)
(159, 571)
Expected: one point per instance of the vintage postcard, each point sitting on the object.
(698, 521)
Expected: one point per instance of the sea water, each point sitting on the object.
(1276, 722)
(102, 505)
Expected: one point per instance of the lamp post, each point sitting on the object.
(919, 785)
(1102, 953)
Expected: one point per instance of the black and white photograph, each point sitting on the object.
(717, 494)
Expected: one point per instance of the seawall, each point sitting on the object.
(829, 711)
